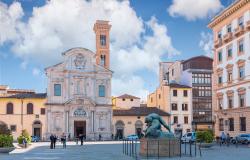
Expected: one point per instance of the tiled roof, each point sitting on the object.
(127, 96)
(24, 95)
(176, 85)
(139, 111)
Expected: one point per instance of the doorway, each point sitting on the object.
(79, 128)
(37, 129)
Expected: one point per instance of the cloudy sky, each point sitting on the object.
(34, 33)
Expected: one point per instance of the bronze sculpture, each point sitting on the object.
(154, 122)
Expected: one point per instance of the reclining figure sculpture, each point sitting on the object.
(154, 122)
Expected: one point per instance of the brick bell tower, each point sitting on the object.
(101, 29)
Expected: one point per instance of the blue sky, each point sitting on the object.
(143, 31)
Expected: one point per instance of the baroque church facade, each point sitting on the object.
(79, 90)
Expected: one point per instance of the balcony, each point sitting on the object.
(239, 31)
(228, 37)
(218, 43)
(248, 25)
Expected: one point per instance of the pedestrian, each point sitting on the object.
(100, 137)
(24, 142)
(228, 139)
(76, 139)
(223, 137)
(51, 141)
(81, 138)
(112, 136)
(54, 141)
(63, 140)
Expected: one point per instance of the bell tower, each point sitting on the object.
(101, 29)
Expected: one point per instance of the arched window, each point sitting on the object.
(29, 108)
(9, 108)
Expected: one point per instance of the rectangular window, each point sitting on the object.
(103, 60)
(101, 91)
(42, 111)
(174, 107)
(241, 72)
(231, 124)
(229, 28)
(242, 100)
(186, 120)
(220, 79)
(221, 124)
(220, 56)
(13, 128)
(230, 102)
(219, 35)
(185, 107)
(242, 123)
(220, 103)
(241, 21)
(175, 119)
(57, 89)
(185, 93)
(159, 96)
(241, 46)
(230, 76)
(172, 72)
(229, 51)
(175, 93)
(103, 40)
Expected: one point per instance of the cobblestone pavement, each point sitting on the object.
(113, 151)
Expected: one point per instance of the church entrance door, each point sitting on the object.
(79, 128)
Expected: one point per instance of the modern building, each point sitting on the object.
(175, 99)
(231, 84)
(125, 101)
(79, 90)
(23, 109)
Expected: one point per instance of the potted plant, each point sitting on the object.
(205, 138)
(24, 140)
(6, 140)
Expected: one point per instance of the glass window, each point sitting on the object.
(175, 119)
(220, 56)
(101, 91)
(220, 79)
(186, 120)
(231, 124)
(229, 51)
(242, 72)
(221, 124)
(29, 108)
(185, 93)
(57, 89)
(219, 34)
(184, 107)
(102, 63)
(229, 76)
(174, 107)
(230, 102)
(42, 111)
(242, 123)
(9, 108)
(175, 93)
(241, 46)
(242, 100)
(103, 40)
(229, 28)
(13, 128)
(241, 21)
(220, 103)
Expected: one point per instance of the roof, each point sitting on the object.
(197, 57)
(25, 95)
(127, 96)
(139, 111)
(176, 85)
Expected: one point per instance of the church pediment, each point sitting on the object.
(80, 101)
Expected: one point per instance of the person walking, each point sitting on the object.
(54, 141)
(228, 139)
(63, 140)
(100, 137)
(81, 138)
(51, 141)
(223, 138)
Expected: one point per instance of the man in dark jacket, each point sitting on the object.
(81, 138)
(54, 142)
(51, 141)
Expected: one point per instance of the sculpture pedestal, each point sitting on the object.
(162, 147)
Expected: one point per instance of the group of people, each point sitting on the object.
(225, 138)
(54, 138)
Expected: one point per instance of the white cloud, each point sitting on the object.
(206, 43)
(24, 64)
(10, 21)
(36, 71)
(60, 25)
(194, 9)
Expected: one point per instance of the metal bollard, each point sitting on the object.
(185, 147)
(190, 148)
(180, 147)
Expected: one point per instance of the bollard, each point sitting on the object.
(185, 147)
(158, 149)
(200, 149)
(180, 147)
(169, 148)
(130, 145)
(132, 148)
(190, 148)
(195, 148)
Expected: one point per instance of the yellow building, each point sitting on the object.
(129, 116)
(23, 109)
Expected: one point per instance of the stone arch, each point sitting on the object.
(119, 126)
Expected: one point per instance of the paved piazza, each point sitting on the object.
(113, 151)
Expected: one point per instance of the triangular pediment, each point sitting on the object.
(80, 101)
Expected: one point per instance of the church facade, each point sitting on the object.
(79, 91)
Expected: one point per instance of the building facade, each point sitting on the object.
(231, 84)
(125, 101)
(23, 109)
(79, 91)
(174, 99)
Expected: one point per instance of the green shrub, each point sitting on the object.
(24, 135)
(205, 136)
(6, 141)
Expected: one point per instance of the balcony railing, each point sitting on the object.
(218, 43)
(228, 37)
(239, 31)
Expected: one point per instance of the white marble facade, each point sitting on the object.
(75, 105)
